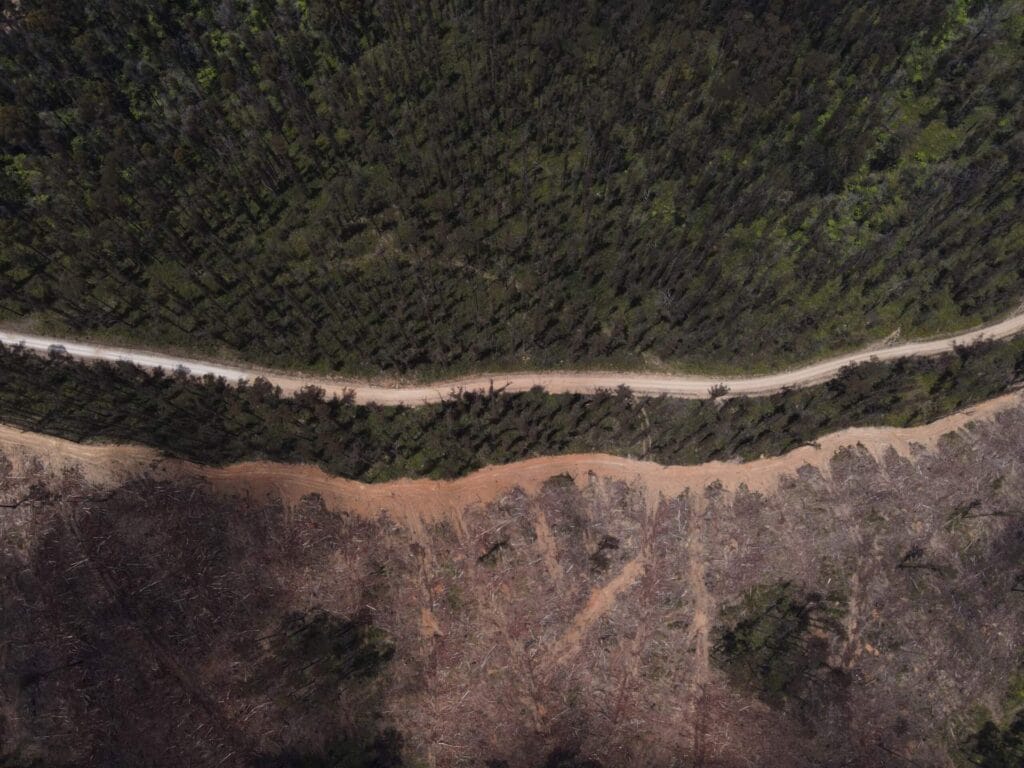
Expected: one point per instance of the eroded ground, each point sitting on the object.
(849, 605)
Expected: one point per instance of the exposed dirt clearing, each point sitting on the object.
(428, 624)
(384, 393)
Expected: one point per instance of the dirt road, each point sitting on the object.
(431, 501)
(682, 386)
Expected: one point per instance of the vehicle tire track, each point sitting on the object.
(385, 392)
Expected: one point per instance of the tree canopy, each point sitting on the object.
(403, 186)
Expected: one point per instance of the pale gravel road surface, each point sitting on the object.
(682, 386)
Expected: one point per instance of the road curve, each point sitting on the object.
(682, 386)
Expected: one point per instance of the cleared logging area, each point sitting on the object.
(862, 611)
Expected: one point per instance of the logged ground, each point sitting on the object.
(851, 604)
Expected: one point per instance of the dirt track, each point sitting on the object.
(682, 386)
(415, 502)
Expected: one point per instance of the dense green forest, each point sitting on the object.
(211, 421)
(416, 185)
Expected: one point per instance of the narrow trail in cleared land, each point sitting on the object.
(582, 382)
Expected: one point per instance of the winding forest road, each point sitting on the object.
(588, 382)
